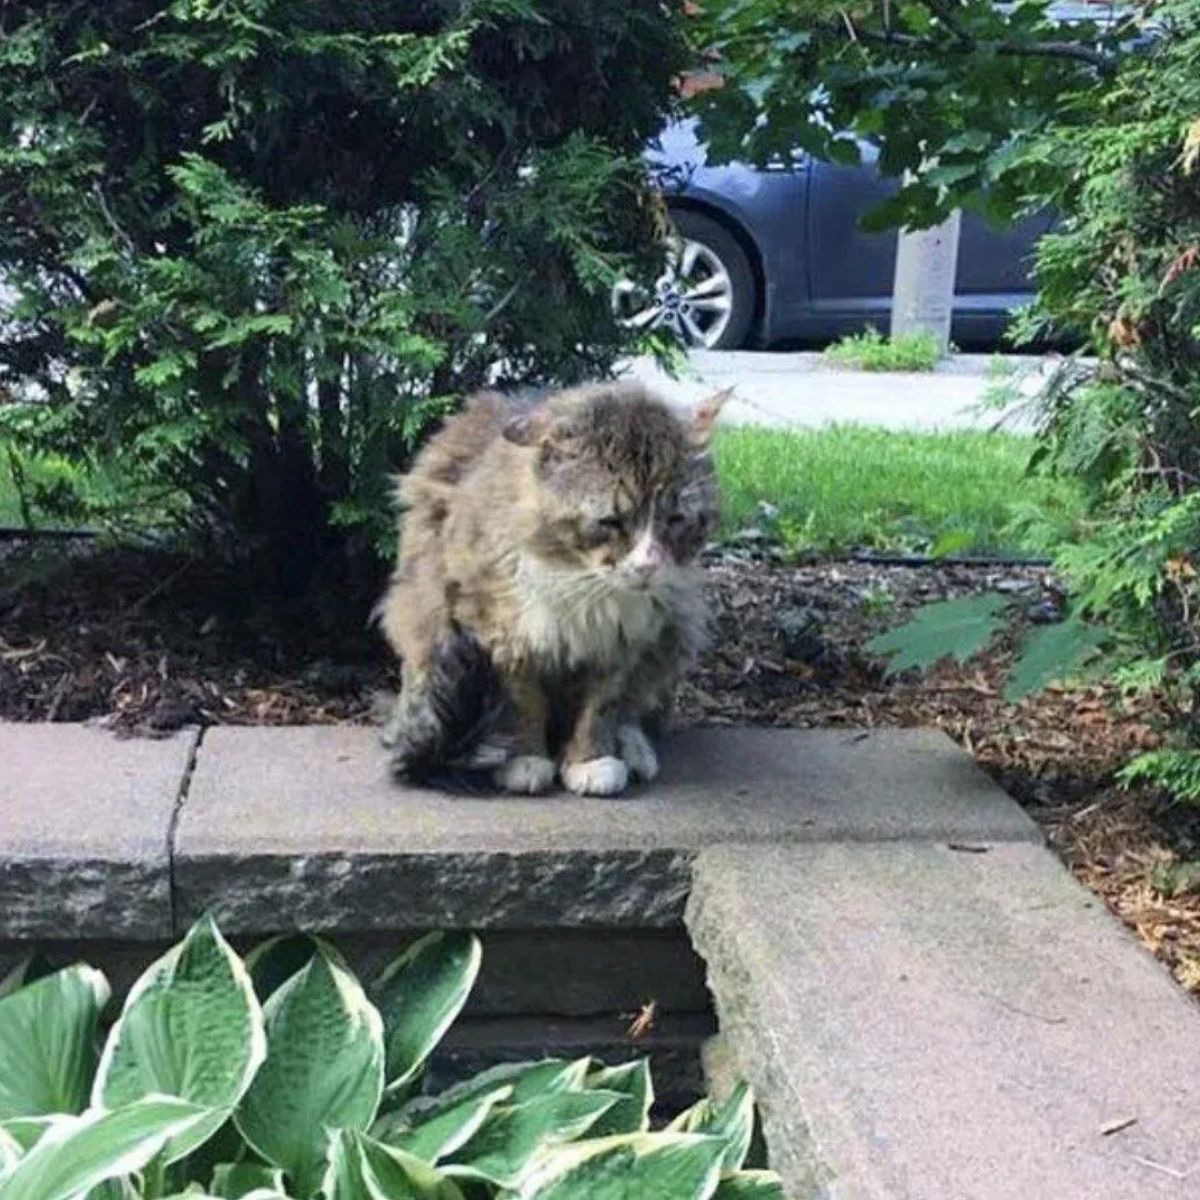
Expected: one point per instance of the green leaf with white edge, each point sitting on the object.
(27, 970)
(257, 1194)
(191, 1027)
(513, 1135)
(527, 1080)
(10, 1151)
(732, 1122)
(946, 629)
(441, 1135)
(273, 962)
(48, 1042)
(324, 1070)
(78, 1153)
(234, 1181)
(632, 1113)
(682, 1166)
(1050, 654)
(750, 1185)
(361, 1168)
(420, 994)
(27, 1131)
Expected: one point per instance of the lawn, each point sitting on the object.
(850, 487)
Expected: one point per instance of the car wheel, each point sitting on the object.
(706, 295)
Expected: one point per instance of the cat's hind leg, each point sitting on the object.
(446, 710)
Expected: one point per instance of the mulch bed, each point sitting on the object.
(147, 642)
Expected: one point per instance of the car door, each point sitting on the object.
(851, 271)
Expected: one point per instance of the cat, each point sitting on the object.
(545, 601)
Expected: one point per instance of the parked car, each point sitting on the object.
(767, 254)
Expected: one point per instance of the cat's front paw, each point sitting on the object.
(527, 774)
(596, 776)
(637, 753)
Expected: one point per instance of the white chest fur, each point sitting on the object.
(574, 620)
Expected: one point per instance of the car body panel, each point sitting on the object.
(822, 274)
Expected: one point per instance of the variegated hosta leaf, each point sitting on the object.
(76, 1154)
(48, 1043)
(527, 1080)
(29, 969)
(324, 1070)
(514, 1134)
(732, 1122)
(273, 962)
(10, 1151)
(235, 1181)
(749, 1185)
(682, 1166)
(632, 1113)
(192, 1028)
(442, 1134)
(419, 996)
(361, 1168)
(27, 1131)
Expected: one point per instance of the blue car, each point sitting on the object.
(777, 253)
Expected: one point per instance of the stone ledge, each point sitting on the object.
(924, 1023)
(85, 826)
(302, 827)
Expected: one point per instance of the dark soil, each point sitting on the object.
(146, 642)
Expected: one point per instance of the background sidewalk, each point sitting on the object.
(801, 389)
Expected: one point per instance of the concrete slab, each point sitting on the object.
(802, 390)
(85, 819)
(302, 827)
(920, 1023)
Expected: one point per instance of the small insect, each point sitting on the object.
(643, 1021)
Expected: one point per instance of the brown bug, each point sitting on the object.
(643, 1021)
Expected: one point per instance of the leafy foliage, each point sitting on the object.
(252, 249)
(943, 91)
(1005, 109)
(1123, 272)
(961, 628)
(871, 351)
(304, 1075)
(947, 629)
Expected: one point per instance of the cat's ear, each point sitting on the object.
(704, 418)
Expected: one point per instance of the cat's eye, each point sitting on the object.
(676, 519)
(610, 524)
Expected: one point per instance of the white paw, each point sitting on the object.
(527, 773)
(637, 752)
(596, 776)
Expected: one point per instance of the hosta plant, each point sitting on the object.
(280, 1077)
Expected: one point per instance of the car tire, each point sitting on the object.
(723, 246)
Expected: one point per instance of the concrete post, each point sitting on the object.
(923, 290)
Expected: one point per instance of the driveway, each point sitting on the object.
(801, 390)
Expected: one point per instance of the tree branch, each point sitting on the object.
(963, 43)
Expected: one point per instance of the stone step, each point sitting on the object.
(926, 1024)
(302, 827)
(86, 821)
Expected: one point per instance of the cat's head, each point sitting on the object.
(618, 485)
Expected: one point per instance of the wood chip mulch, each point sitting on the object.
(146, 642)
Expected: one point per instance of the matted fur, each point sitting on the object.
(545, 601)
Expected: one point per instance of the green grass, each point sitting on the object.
(850, 487)
(871, 351)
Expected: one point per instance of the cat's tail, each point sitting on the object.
(447, 720)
